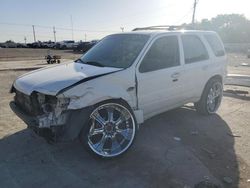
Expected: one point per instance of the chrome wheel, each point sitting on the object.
(214, 97)
(112, 130)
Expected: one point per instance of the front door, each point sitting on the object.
(159, 76)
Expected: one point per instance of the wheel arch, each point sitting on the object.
(200, 105)
(215, 77)
(78, 117)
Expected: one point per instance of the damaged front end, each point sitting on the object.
(47, 115)
(53, 110)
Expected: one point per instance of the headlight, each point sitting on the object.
(51, 103)
(63, 103)
(53, 109)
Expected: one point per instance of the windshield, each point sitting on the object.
(118, 51)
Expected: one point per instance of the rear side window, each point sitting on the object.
(194, 49)
(215, 44)
(163, 53)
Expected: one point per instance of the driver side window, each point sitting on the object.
(164, 53)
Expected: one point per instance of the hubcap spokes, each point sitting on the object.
(214, 97)
(112, 130)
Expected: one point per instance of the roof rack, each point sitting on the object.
(160, 27)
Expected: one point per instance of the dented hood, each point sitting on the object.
(51, 80)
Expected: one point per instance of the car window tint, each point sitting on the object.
(215, 44)
(163, 53)
(194, 49)
(119, 50)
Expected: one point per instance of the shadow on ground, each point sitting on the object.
(175, 149)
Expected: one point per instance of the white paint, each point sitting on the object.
(156, 90)
(53, 79)
(112, 86)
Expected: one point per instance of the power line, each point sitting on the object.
(58, 28)
(185, 15)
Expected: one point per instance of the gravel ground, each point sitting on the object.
(235, 63)
(175, 149)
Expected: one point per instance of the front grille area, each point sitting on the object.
(27, 103)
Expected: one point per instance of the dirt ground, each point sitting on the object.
(175, 149)
(17, 54)
(16, 58)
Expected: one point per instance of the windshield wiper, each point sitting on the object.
(79, 60)
(95, 63)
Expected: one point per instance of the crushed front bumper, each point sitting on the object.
(29, 120)
(76, 119)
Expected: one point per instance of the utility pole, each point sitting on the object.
(71, 21)
(25, 39)
(34, 33)
(194, 9)
(54, 31)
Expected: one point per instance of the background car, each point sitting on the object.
(84, 46)
(21, 45)
(49, 44)
(9, 44)
(66, 44)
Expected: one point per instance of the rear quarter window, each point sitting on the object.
(215, 45)
(194, 49)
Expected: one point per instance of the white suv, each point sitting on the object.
(122, 81)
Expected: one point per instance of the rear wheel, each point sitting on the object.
(110, 130)
(211, 98)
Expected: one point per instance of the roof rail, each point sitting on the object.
(160, 27)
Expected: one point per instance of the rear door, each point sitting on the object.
(196, 65)
(159, 76)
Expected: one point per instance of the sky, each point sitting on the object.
(92, 19)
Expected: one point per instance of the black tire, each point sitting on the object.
(203, 105)
(87, 141)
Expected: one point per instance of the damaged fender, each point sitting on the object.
(100, 89)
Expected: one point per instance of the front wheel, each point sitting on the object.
(211, 98)
(110, 131)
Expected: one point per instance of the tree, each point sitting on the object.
(232, 28)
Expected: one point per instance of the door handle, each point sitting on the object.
(175, 75)
(130, 88)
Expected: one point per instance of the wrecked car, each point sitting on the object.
(126, 78)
